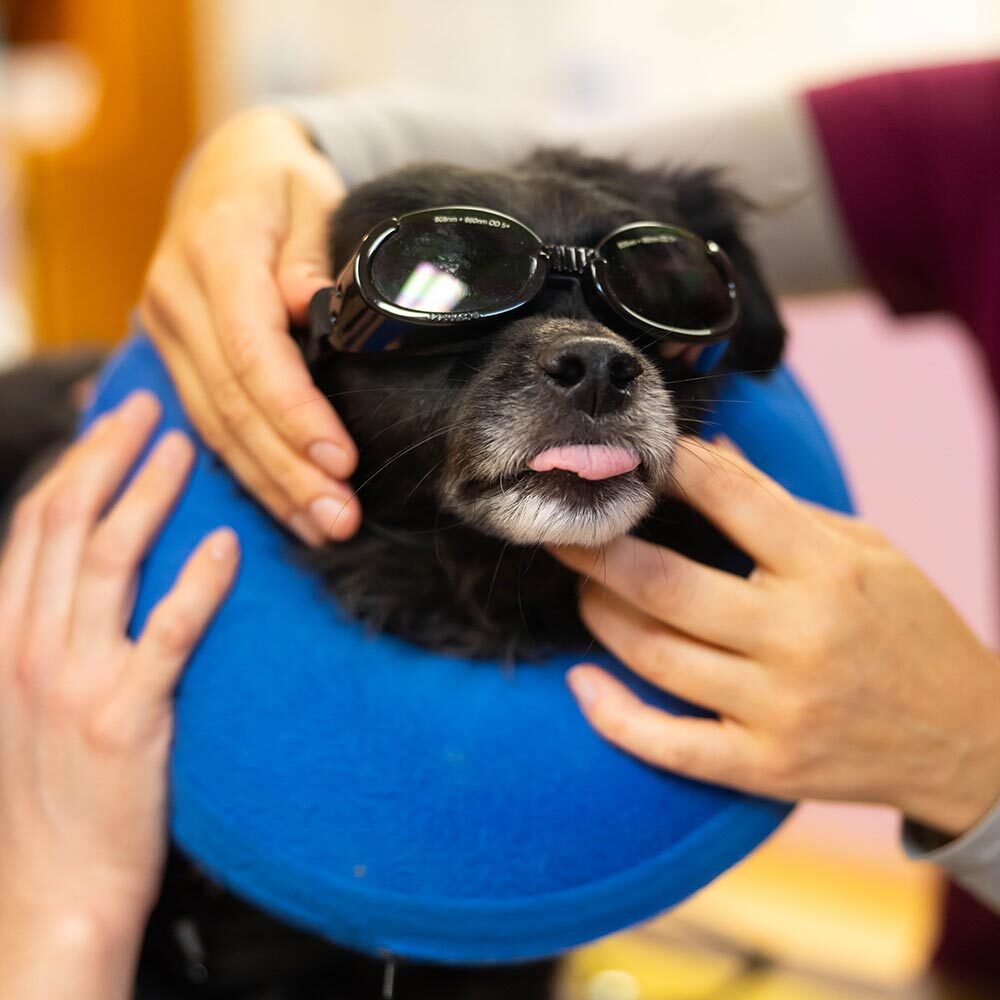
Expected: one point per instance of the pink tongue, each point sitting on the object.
(588, 461)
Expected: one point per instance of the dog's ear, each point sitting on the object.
(715, 211)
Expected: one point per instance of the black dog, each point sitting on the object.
(449, 552)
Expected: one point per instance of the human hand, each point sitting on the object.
(838, 671)
(86, 713)
(245, 245)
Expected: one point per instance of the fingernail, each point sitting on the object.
(223, 545)
(173, 450)
(326, 511)
(583, 688)
(331, 458)
(306, 530)
(140, 407)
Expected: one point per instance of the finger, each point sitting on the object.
(304, 259)
(199, 407)
(750, 508)
(248, 470)
(176, 625)
(845, 524)
(18, 564)
(120, 542)
(17, 572)
(704, 675)
(717, 607)
(848, 525)
(248, 281)
(82, 485)
(329, 503)
(705, 749)
(253, 329)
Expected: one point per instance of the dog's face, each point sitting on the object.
(564, 434)
(556, 428)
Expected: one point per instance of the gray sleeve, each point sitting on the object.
(370, 133)
(766, 148)
(973, 860)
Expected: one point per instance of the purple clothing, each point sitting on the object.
(914, 163)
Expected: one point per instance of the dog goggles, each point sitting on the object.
(456, 264)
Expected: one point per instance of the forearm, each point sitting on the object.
(64, 956)
(767, 150)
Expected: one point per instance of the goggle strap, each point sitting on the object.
(360, 334)
(566, 259)
(314, 338)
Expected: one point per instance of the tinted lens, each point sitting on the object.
(455, 262)
(668, 278)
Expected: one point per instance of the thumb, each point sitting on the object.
(304, 258)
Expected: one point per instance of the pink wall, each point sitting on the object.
(910, 408)
(913, 417)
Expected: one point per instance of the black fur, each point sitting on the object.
(38, 413)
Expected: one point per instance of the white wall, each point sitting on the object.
(600, 56)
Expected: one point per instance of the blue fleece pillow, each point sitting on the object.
(403, 802)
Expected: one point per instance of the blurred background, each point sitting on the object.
(100, 100)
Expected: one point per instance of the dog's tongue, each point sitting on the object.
(588, 461)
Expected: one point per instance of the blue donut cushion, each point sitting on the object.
(407, 803)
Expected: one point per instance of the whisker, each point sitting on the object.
(520, 602)
(423, 478)
(406, 419)
(390, 389)
(403, 451)
(496, 573)
(395, 457)
(711, 375)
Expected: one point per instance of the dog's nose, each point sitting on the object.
(594, 374)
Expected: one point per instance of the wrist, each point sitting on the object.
(962, 786)
(271, 115)
(79, 912)
(273, 133)
(72, 926)
(955, 815)
(953, 808)
(66, 951)
(257, 135)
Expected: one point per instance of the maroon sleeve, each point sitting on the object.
(914, 162)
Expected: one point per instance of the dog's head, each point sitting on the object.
(555, 428)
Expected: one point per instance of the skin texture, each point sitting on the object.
(837, 670)
(245, 246)
(86, 714)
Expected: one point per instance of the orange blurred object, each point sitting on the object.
(93, 207)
